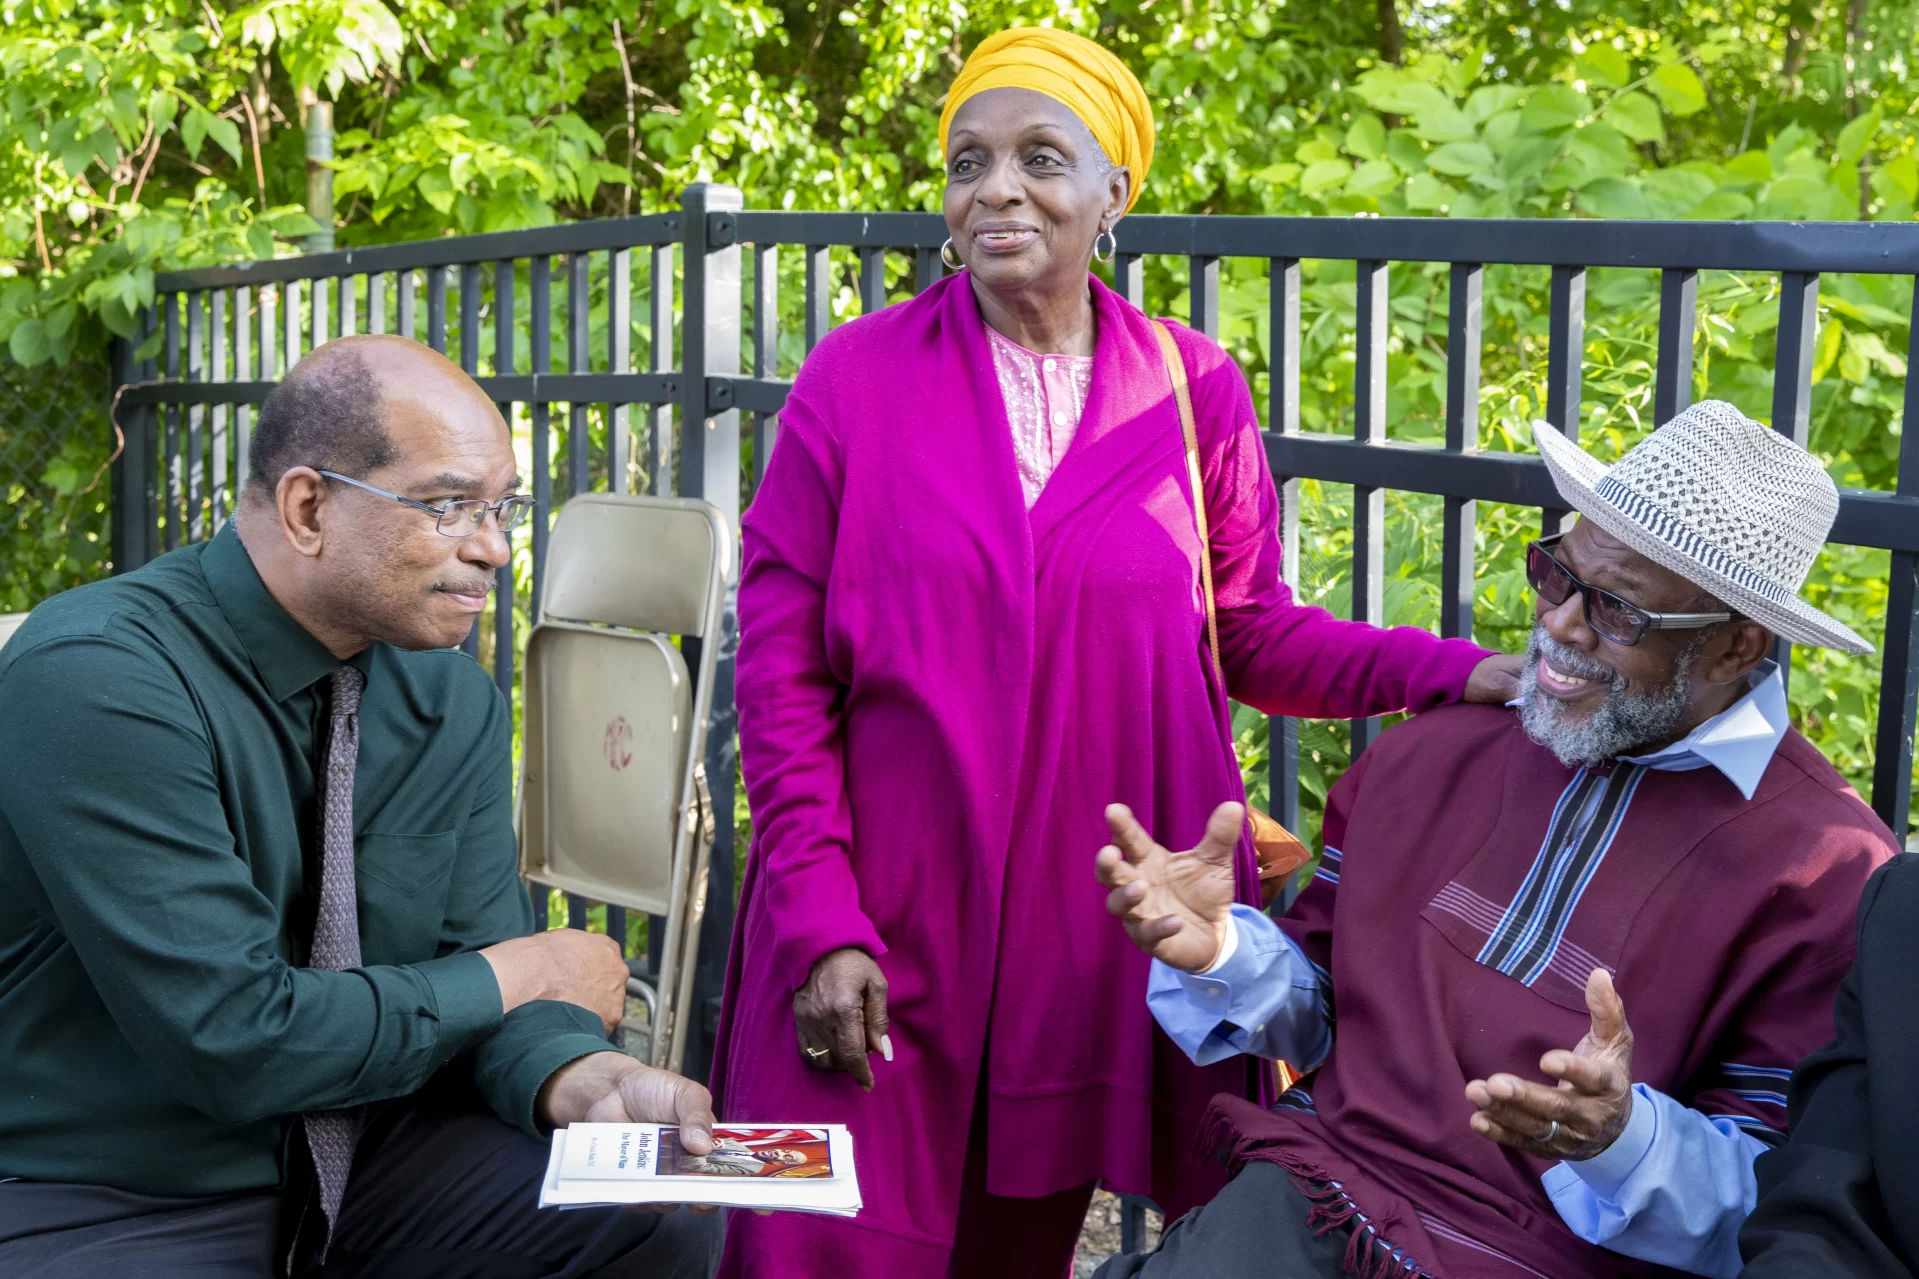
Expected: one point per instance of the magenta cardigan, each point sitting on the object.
(939, 693)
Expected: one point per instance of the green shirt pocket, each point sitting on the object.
(402, 883)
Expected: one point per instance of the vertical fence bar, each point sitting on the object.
(470, 318)
(1461, 518)
(173, 481)
(1203, 294)
(928, 270)
(1132, 1226)
(347, 305)
(659, 417)
(1678, 315)
(143, 467)
(269, 360)
(470, 362)
(1793, 355)
(148, 541)
(290, 320)
(540, 277)
(1792, 384)
(376, 303)
(436, 308)
(196, 417)
(1129, 277)
(503, 324)
(819, 306)
(318, 294)
(243, 370)
(872, 279)
(710, 468)
(579, 473)
(766, 342)
(619, 359)
(217, 435)
(1282, 417)
(616, 926)
(1565, 370)
(1369, 427)
(1892, 756)
(403, 303)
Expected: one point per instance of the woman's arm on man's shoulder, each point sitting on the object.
(1282, 656)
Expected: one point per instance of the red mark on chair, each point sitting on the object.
(619, 743)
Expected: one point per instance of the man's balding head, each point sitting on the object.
(355, 566)
(330, 411)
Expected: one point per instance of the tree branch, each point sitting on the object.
(259, 166)
(146, 167)
(632, 119)
(1392, 40)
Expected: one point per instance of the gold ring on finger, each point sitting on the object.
(816, 1055)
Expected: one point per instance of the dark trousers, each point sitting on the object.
(1254, 1229)
(440, 1190)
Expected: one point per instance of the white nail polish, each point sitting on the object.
(886, 1047)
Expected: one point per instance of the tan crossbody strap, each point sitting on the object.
(1176, 368)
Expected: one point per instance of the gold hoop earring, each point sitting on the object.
(950, 256)
(1112, 246)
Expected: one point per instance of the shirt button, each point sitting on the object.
(1260, 1029)
(1059, 417)
(1051, 365)
(1212, 992)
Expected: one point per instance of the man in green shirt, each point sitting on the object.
(270, 996)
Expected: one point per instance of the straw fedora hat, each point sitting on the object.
(1728, 504)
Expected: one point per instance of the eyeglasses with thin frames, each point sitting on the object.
(1620, 621)
(462, 518)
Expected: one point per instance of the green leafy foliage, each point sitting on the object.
(138, 135)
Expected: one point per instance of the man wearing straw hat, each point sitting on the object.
(1558, 960)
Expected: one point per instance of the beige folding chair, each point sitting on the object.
(613, 796)
(9, 623)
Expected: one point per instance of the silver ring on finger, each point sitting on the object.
(1551, 1134)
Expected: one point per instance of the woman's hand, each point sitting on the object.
(1496, 679)
(1176, 906)
(841, 1015)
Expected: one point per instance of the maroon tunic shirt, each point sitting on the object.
(1471, 883)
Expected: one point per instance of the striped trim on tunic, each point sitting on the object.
(1529, 936)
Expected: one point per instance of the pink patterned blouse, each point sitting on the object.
(1045, 396)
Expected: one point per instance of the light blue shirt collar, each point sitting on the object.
(1739, 741)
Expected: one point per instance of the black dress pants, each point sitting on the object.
(441, 1189)
(1254, 1229)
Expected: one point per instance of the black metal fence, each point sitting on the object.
(225, 334)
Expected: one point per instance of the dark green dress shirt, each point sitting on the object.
(161, 745)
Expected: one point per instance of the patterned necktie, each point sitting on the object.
(332, 1134)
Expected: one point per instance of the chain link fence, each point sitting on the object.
(54, 447)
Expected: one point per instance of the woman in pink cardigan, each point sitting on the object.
(971, 617)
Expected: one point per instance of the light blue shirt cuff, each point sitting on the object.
(1262, 997)
(1606, 1172)
(1673, 1189)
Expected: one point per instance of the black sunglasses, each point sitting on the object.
(1618, 620)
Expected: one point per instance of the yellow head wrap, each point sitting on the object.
(1089, 81)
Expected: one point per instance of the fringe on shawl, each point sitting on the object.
(1369, 1255)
